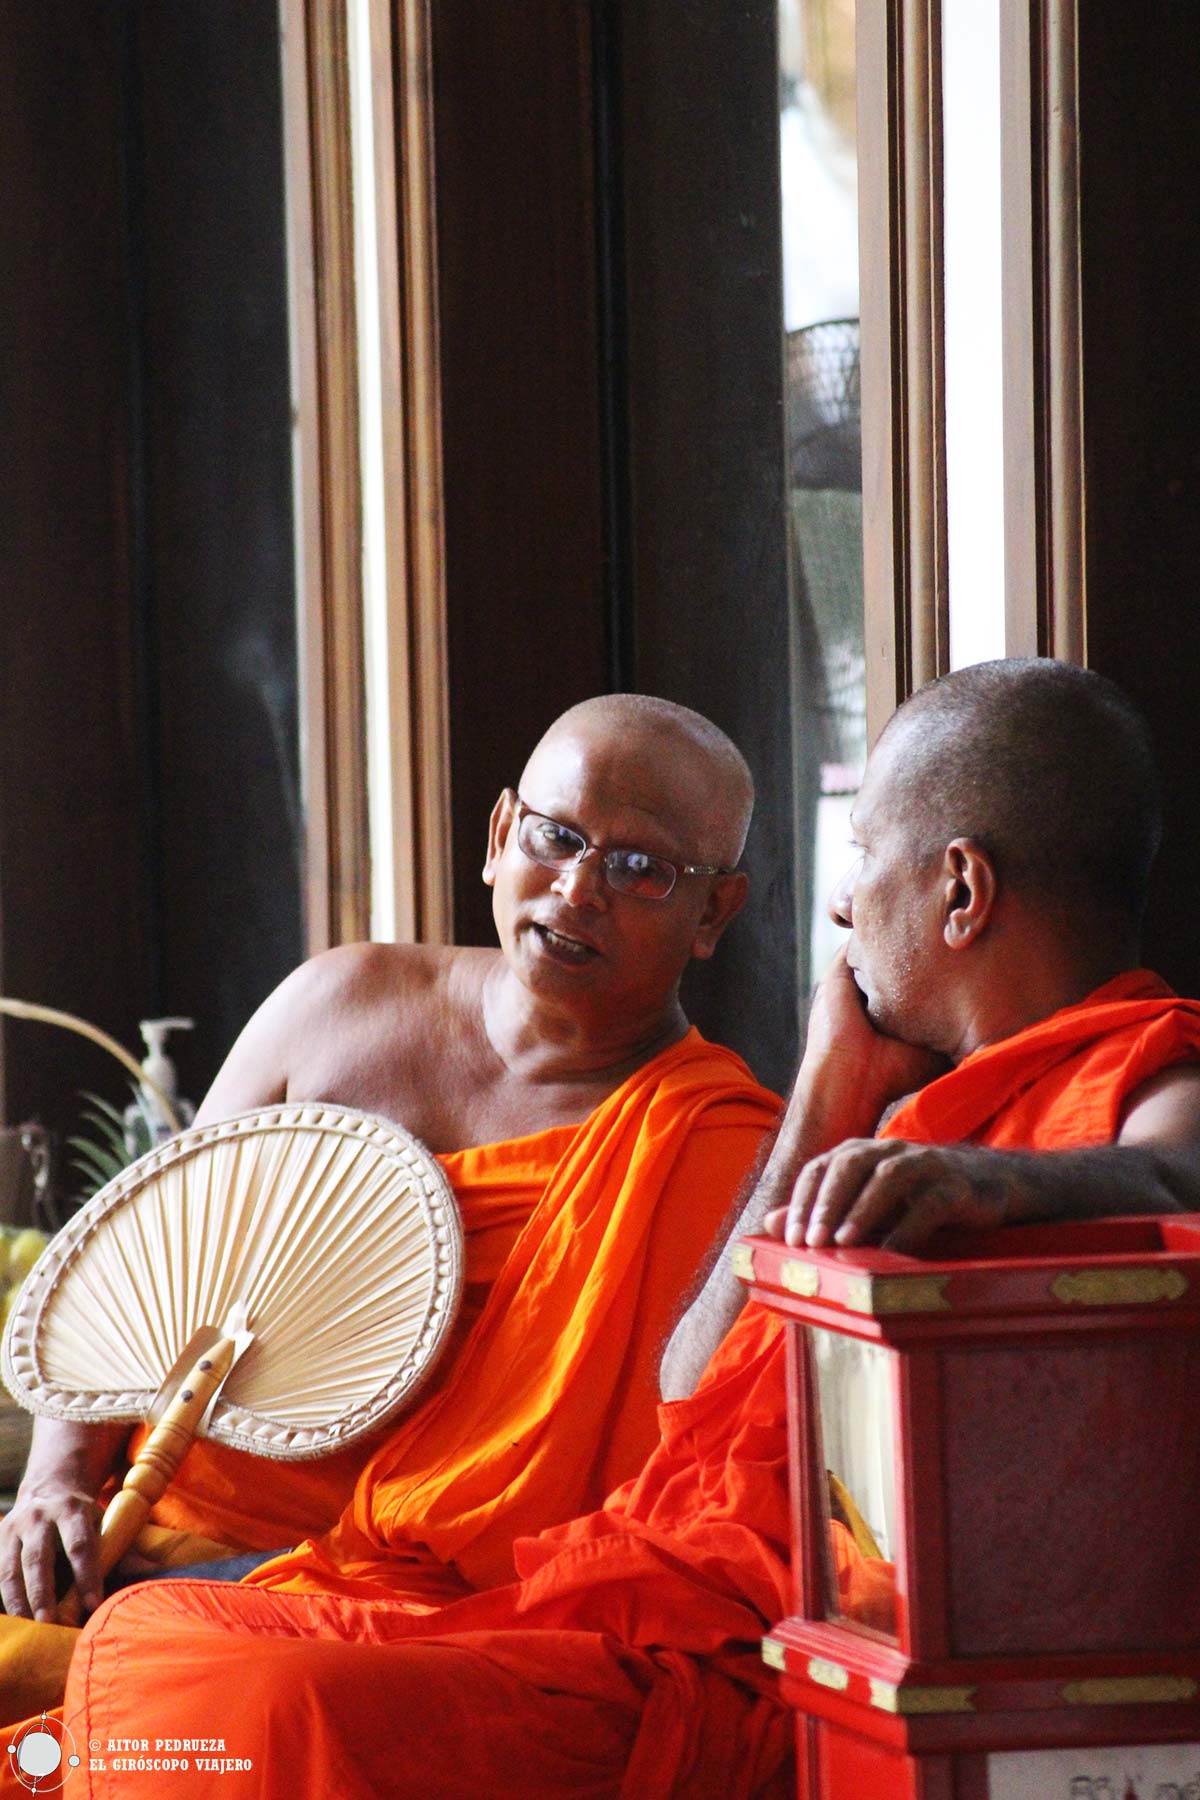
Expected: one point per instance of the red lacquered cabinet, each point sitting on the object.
(1014, 1426)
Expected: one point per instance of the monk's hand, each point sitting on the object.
(44, 1519)
(866, 1069)
(849, 1074)
(882, 1190)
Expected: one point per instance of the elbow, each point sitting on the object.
(676, 1380)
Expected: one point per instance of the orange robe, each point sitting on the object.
(551, 1398)
(245, 1503)
(579, 1243)
(625, 1660)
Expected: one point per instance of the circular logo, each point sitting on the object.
(43, 1755)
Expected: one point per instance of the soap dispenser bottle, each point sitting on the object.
(145, 1122)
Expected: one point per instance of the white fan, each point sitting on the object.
(282, 1281)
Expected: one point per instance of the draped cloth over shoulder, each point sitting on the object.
(551, 1399)
(625, 1659)
(246, 1505)
(1064, 1081)
(580, 1241)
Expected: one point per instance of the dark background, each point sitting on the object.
(610, 295)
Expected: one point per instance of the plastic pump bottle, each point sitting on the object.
(144, 1116)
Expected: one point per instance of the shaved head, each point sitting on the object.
(665, 743)
(1048, 767)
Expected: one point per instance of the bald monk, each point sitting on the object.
(993, 937)
(1005, 832)
(594, 1141)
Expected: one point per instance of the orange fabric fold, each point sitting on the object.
(248, 1503)
(1065, 1080)
(866, 1585)
(579, 1242)
(551, 1397)
(625, 1659)
(625, 1663)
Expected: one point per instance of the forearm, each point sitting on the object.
(820, 1113)
(1091, 1184)
(75, 1456)
(54, 1509)
(711, 1313)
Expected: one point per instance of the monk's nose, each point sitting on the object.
(583, 883)
(841, 901)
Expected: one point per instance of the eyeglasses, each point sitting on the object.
(635, 872)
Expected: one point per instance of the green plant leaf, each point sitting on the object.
(98, 1161)
(107, 1138)
(106, 1151)
(102, 1105)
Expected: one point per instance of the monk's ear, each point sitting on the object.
(725, 901)
(969, 892)
(499, 825)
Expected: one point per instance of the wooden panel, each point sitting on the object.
(1140, 143)
(73, 911)
(1045, 573)
(414, 458)
(1037, 1448)
(321, 205)
(520, 396)
(700, 199)
(221, 684)
(917, 304)
(903, 428)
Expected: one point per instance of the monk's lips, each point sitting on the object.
(566, 949)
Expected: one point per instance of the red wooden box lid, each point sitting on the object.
(1136, 1267)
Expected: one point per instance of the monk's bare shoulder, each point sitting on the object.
(1165, 1110)
(357, 1025)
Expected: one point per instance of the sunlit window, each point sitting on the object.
(819, 184)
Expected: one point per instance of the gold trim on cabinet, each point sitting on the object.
(1129, 1690)
(741, 1261)
(828, 1674)
(879, 1294)
(800, 1278)
(1119, 1287)
(906, 1701)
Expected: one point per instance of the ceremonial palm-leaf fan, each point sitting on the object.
(282, 1280)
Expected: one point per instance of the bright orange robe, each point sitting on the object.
(246, 1503)
(551, 1398)
(1064, 1081)
(579, 1243)
(625, 1661)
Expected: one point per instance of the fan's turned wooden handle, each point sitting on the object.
(156, 1463)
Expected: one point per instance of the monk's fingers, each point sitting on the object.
(868, 1190)
(29, 1546)
(38, 1557)
(914, 1190)
(789, 1218)
(954, 1186)
(12, 1584)
(841, 1191)
(81, 1542)
(27, 1570)
(813, 1183)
